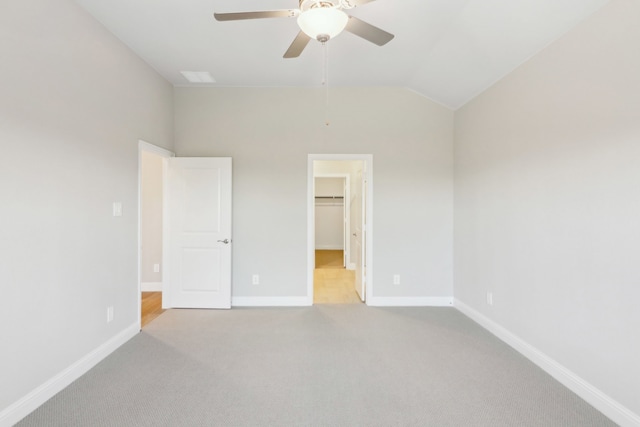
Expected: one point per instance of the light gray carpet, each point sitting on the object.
(326, 365)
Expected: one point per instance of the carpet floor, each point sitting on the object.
(326, 365)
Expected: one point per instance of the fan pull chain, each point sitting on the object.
(325, 81)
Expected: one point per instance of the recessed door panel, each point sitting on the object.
(200, 211)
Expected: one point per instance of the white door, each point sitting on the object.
(345, 224)
(358, 210)
(198, 206)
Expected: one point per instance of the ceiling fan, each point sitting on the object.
(320, 20)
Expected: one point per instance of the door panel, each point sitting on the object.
(199, 233)
(358, 213)
(198, 269)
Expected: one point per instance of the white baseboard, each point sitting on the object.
(605, 404)
(151, 287)
(330, 248)
(270, 302)
(374, 302)
(23, 407)
(410, 301)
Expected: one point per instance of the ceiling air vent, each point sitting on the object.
(198, 76)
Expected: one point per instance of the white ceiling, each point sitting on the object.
(446, 50)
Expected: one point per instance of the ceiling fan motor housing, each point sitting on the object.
(313, 4)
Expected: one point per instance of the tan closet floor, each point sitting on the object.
(332, 283)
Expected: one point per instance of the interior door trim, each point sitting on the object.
(367, 173)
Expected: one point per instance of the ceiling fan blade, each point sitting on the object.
(354, 3)
(237, 16)
(298, 45)
(368, 31)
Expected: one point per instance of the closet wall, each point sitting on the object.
(329, 197)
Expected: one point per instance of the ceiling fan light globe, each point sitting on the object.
(325, 21)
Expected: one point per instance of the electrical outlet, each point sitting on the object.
(109, 313)
(396, 279)
(490, 298)
(255, 279)
(156, 268)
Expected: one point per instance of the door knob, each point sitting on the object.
(225, 241)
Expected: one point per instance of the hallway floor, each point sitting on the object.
(151, 307)
(332, 283)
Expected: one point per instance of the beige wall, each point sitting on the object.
(151, 217)
(74, 101)
(547, 202)
(270, 132)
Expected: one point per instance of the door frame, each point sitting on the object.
(147, 147)
(367, 175)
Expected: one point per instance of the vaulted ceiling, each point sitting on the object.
(447, 50)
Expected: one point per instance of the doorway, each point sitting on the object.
(333, 280)
(151, 160)
(339, 228)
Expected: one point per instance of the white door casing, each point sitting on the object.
(198, 229)
(367, 231)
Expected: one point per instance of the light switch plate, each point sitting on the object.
(117, 209)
